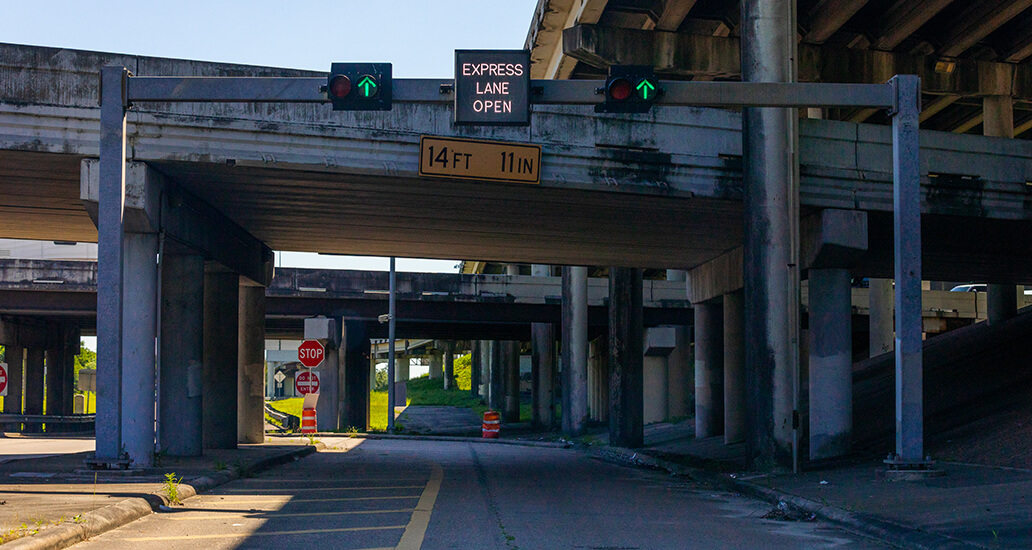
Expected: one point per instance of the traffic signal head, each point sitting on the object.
(629, 89)
(360, 86)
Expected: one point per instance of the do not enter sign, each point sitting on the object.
(306, 382)
(311, 353)
(3, 379)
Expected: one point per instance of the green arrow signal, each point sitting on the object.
(645, 87)
(368, 86)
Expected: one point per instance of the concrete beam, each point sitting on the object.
(154, 204)
(827, 17)
(903, 18)
(716, 278)
(833, 238)
(977, 21)
(674, 12)
(713, 56)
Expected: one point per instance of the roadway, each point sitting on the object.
(420, 494)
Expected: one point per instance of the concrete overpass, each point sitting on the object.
(227, 183)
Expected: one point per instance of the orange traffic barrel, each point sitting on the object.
(491, 425)
(308, 421)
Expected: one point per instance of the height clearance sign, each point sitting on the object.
(492, 87)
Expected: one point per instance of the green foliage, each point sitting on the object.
(380, 383)
(171, 488)
(463, 367)
(424, 391)
(87, 359)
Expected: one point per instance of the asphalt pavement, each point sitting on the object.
(409, 494)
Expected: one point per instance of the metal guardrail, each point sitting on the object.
(78, 423)
(287, 422)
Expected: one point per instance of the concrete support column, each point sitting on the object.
(543, 367)
(402, 368)
(575, 349)
(680, 376)
(449, 366)
(654, 381)
(14, 356)
(139, 333)
(496, 374)
(626, 391)
(771, 252)
(34, 390)
(182, 354)
(709, 369)
(219, 370)
(355, 349)
(509, 352)
(476, 365)
(881, 320)
(734, 367)
(60, 361)
(331, 387)
(512, 269)
(998, 121)
(831, 363)
(251, 366)
(436, 364)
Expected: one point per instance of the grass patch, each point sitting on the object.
(377, 409)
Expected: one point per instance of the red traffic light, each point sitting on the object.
(340, 86)
(619, 89)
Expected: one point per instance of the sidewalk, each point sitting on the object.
(51, 500)
(971, 506)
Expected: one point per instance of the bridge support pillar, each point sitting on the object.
(495, 376)
(139, 331)
(680, 377)
(510, 365)
(998, 121)
(880, 323)
(221, 352)
(626, 407)
(831, 363)
(182, 354)
(354, 349)
(60, 360)
(771, 252)
(34, 390)
(251, 366)
(476, 369)
(575, 349)
(542, 356)
(709, 367)
(449, 365)
(14, 356)
(436, 364)
(734, 367)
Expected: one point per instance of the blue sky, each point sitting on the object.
(418, 37)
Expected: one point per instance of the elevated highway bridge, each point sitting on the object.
(226, 184)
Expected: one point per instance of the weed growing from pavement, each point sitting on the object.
(219, 466)
(351, 431)
(171, 489)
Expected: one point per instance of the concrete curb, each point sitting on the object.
(860, 524)
(516, 442)
(129, 510)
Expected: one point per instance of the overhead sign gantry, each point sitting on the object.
(901, 96)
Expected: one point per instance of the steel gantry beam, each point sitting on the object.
(901, 96)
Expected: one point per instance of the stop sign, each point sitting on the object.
(310, 353)
(306, 382)
(3, 379)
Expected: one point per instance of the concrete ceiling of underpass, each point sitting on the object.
(382, 216)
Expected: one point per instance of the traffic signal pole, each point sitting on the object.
(901, 96)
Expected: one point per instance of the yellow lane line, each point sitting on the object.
(415, 531)
(267, 533)
(272, 514)
(302, 489)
